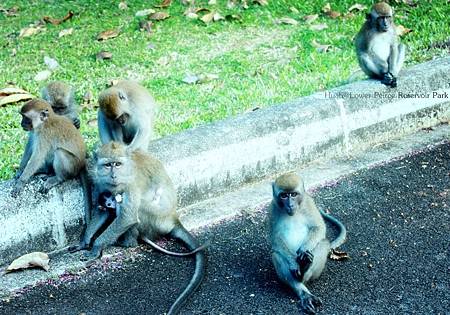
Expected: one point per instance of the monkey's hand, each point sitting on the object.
(304, 260)
(76, 122)
(94, 253)
(18, 186)
(76, 248)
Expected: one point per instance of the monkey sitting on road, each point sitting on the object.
(298, 238)
(379, 52)
(126, 115)
(145, 205)
(61, 97)
(55, 147)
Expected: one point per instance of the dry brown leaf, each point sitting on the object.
(328, 12)
(144, 12)
(320, 47)
(164, 4)
(35, 259)
(401, 30)
(65, 32)
(286, 20)
(310, 18)
(338, 255)
(107, 35)
(261, 2)
(53, 21)
(42, 75)
(159, 16)
(123, 5)
(207, 18)
(14, 98)
(146, 26)
(357, 7)
(318, 27)
(30, 31)
(12, 90)
(217, 17)
(11, 11)
(103, 55)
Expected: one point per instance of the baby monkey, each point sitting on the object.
(61, 96)
(298, 238)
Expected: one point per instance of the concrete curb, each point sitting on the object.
(216, 158)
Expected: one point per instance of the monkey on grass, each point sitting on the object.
(61, 97)
(379, 52)
(298, 238)
(145, 203)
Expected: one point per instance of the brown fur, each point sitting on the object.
(382, 9)
(289, 181)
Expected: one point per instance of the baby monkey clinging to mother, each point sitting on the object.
(298, 238)
(379, 53)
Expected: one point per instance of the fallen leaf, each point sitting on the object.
(261, 2)
(51, 63)
(92, 122)
(144, 12)
(207, 18)
(332, 14)
(53, 21)
(11, 11)
(164, 4)
(146, 26)
(294, 10)
(12, 90)
(401, 30)
(123, 5)
(42, 75)
(14, 98)
(310, 18)
(217, 17)
(103, 55)
(107, 35)
(318, 27)
(192, 15)
(35, 259)
(338, 255)
(65, 32)
(30, 31)
(231, 17)
(159, 16)
(286, 20)
(190, 79)
(320, 48)
(357, 7)
(326, 8)
(411, 3)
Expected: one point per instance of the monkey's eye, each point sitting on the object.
(118, 164)
(107, 166)
(284, 195)
(293, 194)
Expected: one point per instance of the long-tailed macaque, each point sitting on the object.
(298, 238)
(61, 98)
(126, 115)
(55, 147)
(379, 52)
(146, 204)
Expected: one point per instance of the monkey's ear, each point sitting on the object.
(44, 114)
(273, 189)
(122, 96)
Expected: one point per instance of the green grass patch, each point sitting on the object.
(258, 61)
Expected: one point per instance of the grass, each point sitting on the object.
(258, 62)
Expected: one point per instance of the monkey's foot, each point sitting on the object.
(49, 184)
(77, 248)
(389, 80)
(304, 261)
(128, 242)
(297, 274)
(309, 304)
(94, 253)
(18, 186)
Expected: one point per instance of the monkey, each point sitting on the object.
(147, 207)
(125, 115)
(55, 147)
(61, 97)
(298, 238)
(378, 50)
(110, 203)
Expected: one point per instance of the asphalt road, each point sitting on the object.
(398, 220)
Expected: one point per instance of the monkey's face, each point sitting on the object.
(59, 107)
(123, 119)
(289, 201)
(113, 172)
(383, 23)
(26, 123)
(32, 119)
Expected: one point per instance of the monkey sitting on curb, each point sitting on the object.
(379, 52)
(61, 98)
(298, 238)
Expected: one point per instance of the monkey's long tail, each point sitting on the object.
(340, 239)
(87, 190)
(176, 254)
(182, 234)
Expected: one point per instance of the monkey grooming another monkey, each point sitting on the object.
(379, 52)
(55, 147)
(126, 115)
(146, 204)
(61, 98)
(298, 238)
